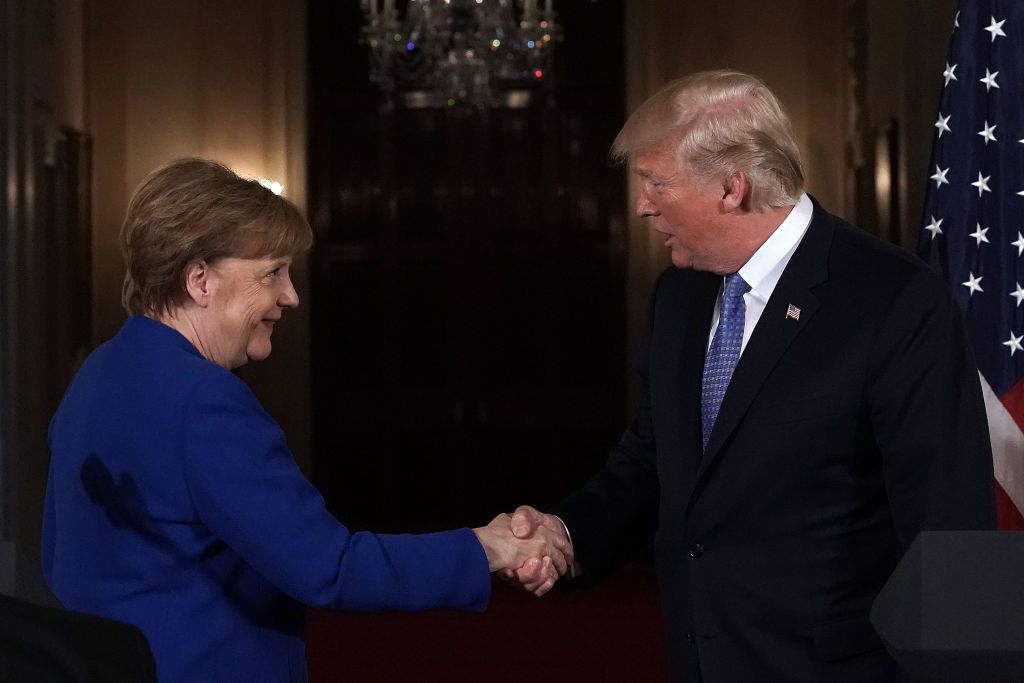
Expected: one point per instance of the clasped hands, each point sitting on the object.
(527, 547)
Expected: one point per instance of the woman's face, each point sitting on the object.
(247, 297)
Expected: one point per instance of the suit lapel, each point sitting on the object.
(775, 331)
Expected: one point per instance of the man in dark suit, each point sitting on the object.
(808, 404)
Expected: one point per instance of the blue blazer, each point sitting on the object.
(174, 504)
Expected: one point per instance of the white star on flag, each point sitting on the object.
(989, 80)
(982, 184)
(1019, 243)
(950, 73)
(1018, 295)
(979, 234)
(1014, 343)
(974, 284)
(996, 29)
(934, 227)
(986, 132)
(940, 176)
(943, 125)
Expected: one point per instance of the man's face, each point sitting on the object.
(683, 208)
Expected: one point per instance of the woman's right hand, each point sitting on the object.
(506, 552)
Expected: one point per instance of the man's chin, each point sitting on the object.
(681, 259)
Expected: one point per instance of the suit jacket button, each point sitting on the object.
(696, 550)
(691, 637)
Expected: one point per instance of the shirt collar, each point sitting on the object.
(763, 270)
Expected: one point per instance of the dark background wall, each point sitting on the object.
(467, 284)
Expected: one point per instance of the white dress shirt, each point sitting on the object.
(763, 270)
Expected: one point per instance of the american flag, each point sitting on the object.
(973, 225)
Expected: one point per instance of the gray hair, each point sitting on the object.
(720, 123)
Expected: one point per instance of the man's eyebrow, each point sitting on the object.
(647, 174)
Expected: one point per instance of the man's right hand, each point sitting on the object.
(535, 576)
(542, 553)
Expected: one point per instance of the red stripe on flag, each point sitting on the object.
(1014, 402)
(1008, 517)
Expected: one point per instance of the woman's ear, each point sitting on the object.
(198, 282)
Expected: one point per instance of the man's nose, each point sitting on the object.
(645, 207)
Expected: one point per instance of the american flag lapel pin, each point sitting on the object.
(792, 313)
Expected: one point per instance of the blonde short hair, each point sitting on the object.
(721, 122)
(198, 210)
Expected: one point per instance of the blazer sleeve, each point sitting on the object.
(928, 415)
(248, 490)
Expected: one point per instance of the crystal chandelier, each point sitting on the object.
(461, 54)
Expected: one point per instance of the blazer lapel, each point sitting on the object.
(775, 331)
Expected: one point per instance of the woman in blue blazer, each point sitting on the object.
(173, 502)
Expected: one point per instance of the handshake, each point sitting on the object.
(527, 547)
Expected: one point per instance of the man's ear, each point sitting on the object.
(198, 282)
(735, 192)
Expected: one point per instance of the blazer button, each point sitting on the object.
(691, 637)
(696, 550)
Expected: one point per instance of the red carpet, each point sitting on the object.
(611, 632)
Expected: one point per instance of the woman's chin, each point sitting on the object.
(260, 351)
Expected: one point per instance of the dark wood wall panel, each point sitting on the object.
(468, 309)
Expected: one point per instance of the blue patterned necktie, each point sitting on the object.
(724, 352)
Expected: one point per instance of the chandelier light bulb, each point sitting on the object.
(461, 54)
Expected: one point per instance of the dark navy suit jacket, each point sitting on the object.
(844, 432)
(174, 504)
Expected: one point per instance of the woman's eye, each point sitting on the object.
(275, 273)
